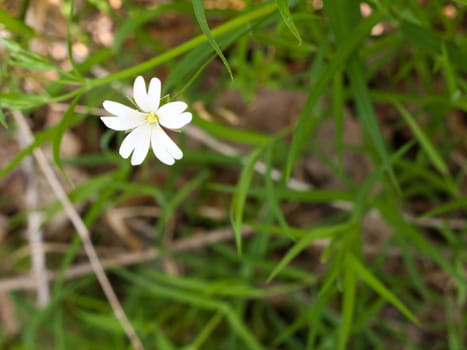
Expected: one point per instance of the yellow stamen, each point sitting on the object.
(152, 118)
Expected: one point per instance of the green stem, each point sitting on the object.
(166, 56)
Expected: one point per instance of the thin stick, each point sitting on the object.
(82, 231)
(34, 233)
(185, 244)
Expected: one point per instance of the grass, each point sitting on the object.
(274, 234)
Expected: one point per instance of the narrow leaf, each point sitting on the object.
(424, 141)
(15, 25)
(364, 274)
(304, 242)
(320, 78)
(284, 10)
(200, 15)
(240, 195)
(348, 306)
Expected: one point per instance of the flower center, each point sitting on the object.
(151, 118)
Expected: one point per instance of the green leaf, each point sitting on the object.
(107, 323)
(456, 204)
(364, 190)
(425, 39)
(198, 8)
(284, 10)
(240, 196)
(304, 242)
(364, 274)
(271, 194)
(320, 77)
(68, 39)
(424, 141)
(348, 306)
(17, 100)
(248, 18)
(15, 25)
(3, 119)
(20, 57)
(415, 238)
(232, 134)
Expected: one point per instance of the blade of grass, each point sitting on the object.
(3, 119)
(195, 300)
(320, 77)
(68, 39)
(391, 213)
(427, 40)
(424, 141)
(240, 196)
(200, 15)
(15, 25)
(456, 204)
(304, 242)
(365, 275)
(284, 10)
(348, 306)
(232, 134)
(342, 16)
(271, 195)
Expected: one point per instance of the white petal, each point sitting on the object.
(175, 121)
(159, 146)
(140, 95)
(170, 146)
(172, 108)
(142, 147)
(154, 94)
(137, 142)
(123, 123)
(119, 109)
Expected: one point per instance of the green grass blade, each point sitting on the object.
(304, 242)
(364, 274)
(391, 214)
(68, 39)
(456, 204)
(2, 119)
(348, 306)
(320, 77)
(284, 10)
(367, 115)
(241, 194)
(424, 38)
(232, 134)
(271, 194)
(15, 25)
(363, 194)
(200, 15)
(424, 141)
(17, 100)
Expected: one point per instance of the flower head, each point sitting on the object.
(145, 123)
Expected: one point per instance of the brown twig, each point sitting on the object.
(82, 231)
(34, 233)
(185, 244)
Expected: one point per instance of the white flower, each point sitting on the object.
(145, 123)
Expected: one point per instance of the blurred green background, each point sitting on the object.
(321, 201)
